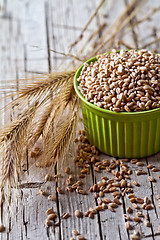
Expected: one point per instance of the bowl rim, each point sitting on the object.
(93, 59)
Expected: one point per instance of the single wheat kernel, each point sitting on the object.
(125, 160)
(79, 188)
(48, 223)
(112, 189)
(113, 205)
(135, 183)
(96, 169)
(129, 185)
(82, 176)
(129, 172)
(115, 200)
(129, 210)
(116, 184)
(68, 181)
(51, 198)
(92, 210)
(155, 169)
(136, 219)
(131, 196)
(139, 214)
(133, 200)
(91, 215)
(151, 179)
(74, 186)
(99, 200)
(104, 206)
(59, 190)
(83, 132)
(47, 177)
(134, 237)
(126, 217)
(56, 224)
(123, 183)
(49, 211)
(148, 207)
(84, 171)
(78, 213)
(51, 216)
(134, 161)
(71, 177)
(86, 214)
(67, 170)
(139, 164)
(109, 185)
(79, 182)
(116, 194)
(76, 140)
(111, 208)
(2, 228)
(99, 208)
(146, 223)
(41, 192)
(107, 200)
(83, 192)
(140, 172)
(66, 215)
(146, 200)
(79, 132)
(140, 200)
(93, 159)
(150, 166)
(135, 206)
(101, 194)
(75, 232)
(112, 166)
(143, 205)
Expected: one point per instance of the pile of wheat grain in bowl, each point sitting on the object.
(125, 81)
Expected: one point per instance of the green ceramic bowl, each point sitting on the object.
(123, 134)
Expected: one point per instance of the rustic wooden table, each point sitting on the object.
(29, 29)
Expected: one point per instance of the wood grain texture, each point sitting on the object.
(29, 29)
(110, 220)
(72, 201)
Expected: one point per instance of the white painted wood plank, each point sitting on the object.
(155, 187)
(111, 220)
(141, 191)
(23, 24)
(71, 201)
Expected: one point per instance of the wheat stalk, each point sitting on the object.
(87, 24)
(61, 139)
(12, 142)
(57, 104)
(41, 89)
(120, 25)
(66, 104)
(56, 92)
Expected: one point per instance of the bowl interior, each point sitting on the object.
(76, 83)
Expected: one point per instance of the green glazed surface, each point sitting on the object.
(123, 134)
